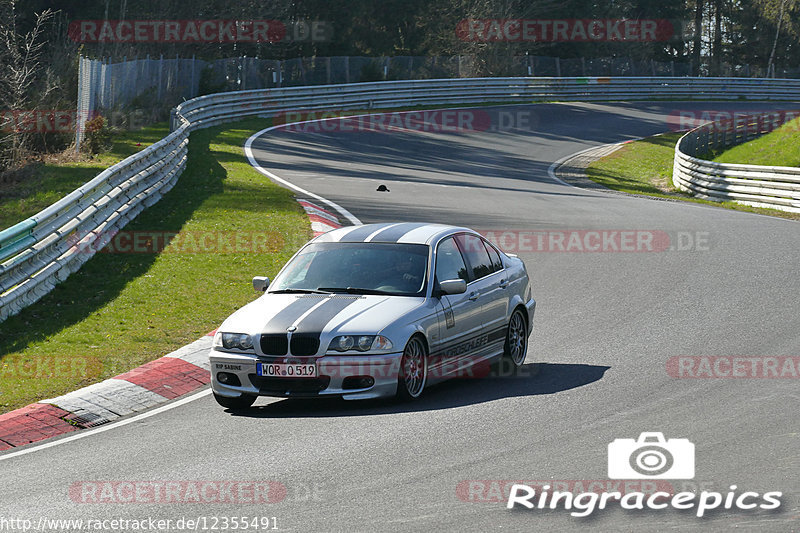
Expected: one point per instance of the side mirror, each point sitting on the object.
(453, 286)
(260, 284)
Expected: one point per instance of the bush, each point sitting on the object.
(372, 71)
(97, 136)
(210, 82)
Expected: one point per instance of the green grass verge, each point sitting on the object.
(779, 148)
(121, 310)
(639, 167)
(645, 167)
(46, 183)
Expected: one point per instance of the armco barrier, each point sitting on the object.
(755, 185)
(43, 250)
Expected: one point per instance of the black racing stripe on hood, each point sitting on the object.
(359, 234)
(395, 233)
(316, 321)
(289, 315)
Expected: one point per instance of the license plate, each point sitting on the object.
(286, 370)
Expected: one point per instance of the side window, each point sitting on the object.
(477, 257)
(497, 264)
(449, 263)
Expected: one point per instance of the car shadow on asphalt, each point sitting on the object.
(531, 379)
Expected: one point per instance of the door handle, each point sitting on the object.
(473, 296)
(503, 283)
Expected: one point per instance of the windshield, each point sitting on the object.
(357, 267)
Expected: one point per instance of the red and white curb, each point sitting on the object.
(322, 220)
(178, 373)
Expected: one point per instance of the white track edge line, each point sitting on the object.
(552, 174)
(107, 427)
(249, 153)
(248, 150)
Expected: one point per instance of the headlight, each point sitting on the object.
(360, 343)
(365, 343)
(233, 341)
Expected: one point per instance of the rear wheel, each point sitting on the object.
(241, 402)
(516, 347)
(413, 370)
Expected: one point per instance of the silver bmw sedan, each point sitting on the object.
(372, 311)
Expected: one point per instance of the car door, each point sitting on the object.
(488, 286)
(495, 302)
(461, 313)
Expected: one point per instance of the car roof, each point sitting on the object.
(396, 232)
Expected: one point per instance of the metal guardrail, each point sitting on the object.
(38, 253)
(377, 95)
(755, 185)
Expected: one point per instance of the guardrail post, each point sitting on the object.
(160, 74)
(328, 69)
(79, 105)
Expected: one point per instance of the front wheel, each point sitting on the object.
(413, 370)
(240, 402)
(516, 347)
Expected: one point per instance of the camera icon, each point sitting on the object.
(651, 457)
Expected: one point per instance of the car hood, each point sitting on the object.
(320, 313)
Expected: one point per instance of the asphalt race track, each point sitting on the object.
(607, 324)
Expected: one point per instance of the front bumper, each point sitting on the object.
(332, 370)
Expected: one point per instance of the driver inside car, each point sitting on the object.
(405, 275)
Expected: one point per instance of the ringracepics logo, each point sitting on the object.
(565, 30)
(651, 456)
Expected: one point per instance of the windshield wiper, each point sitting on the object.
(302, 291)
(353, 290)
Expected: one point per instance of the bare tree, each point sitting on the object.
(20, 59)
(697, 39)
